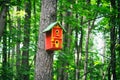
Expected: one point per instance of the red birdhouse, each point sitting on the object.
(54, 36)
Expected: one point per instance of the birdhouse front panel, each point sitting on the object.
(57, 32)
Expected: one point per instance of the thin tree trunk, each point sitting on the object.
(18, 54)
(113, 39)
(86, 47)
(25, 54)
(86, 53)
(35, 21)
(3, 30)
(4, 54)
(3, 14)
(44, 59)
(13, 62)
(90, 27)
(91, 72)
(118, 31)
(66, 48)
(77, 57)
(118, 1)
(109, 69)
(10, 40)
(78, 49)
(113, 54)
(103, 58)
(81, 45)
(35, 26)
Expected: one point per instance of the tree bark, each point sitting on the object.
(44, 59)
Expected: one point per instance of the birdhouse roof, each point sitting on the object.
(53, 25)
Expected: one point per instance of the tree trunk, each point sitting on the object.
(118, 48)
(18, 54)
(103, 57)
(77, 56)
(118, 1)
(4, 54)
(44, 59)
(113, 54)
(35, 23)
(86, 47)
(113, 39)
(66, 48)
(10, 55)
(81, 45)
(78, 48)
(86, 53)
(77, 51)
(3, 31)
(3, 14)
(25, 55)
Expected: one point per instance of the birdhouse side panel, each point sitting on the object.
(48, 40)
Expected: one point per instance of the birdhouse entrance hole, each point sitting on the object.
(57, 32)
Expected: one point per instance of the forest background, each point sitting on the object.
(91, 47)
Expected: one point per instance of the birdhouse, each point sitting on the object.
(54, 36)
